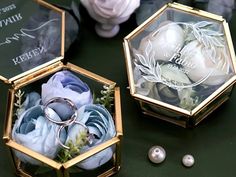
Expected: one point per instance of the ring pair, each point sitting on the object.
(63, 124)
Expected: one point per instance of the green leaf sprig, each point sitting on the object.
(107, 96)
(74, 148)
(18, 104)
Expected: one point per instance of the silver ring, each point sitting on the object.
(66, 123)
(61, 100)
(89, 137)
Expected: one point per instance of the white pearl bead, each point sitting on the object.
(156, 154)
(188, 160)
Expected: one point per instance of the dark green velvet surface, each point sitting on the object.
(212, 142)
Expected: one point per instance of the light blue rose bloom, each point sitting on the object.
(35, 132)
(66, 85)
(100, 123)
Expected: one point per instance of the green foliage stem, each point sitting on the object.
(74, 148)
(107, 96)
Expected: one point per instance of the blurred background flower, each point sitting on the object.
(109, 14)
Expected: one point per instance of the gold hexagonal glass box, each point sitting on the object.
(38, 138)
(180, 64)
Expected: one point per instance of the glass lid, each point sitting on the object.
(30, 37)
(179, 58)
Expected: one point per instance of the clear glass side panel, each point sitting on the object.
(30, 35)
(180, 59)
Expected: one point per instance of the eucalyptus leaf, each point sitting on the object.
(151, 78)
(141, 59)
(196, 34)
(158, 71)
(211, 32)
(175, 75)
(205, 41)
(217, 42)
(152, 60)
(148, 48)
(143, 69)
(202, 24)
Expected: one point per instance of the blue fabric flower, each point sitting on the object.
(66, 85)
(100, 123)
(35, 132)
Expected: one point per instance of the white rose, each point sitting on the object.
(166, 40)
(212, 66)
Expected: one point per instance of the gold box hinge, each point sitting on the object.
(32, 77)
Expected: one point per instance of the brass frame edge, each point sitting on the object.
(118, 113)
(209, 111)
(162, 105)
(20, 171)
(5, 80)
(195, 11)
(50, 6)
(129, 66)
(214, 95)
(145, 23)
(63, 31)
(181, 123)
(108, 173)
(89, 74)
(33, 154)
(9, 115)
(38, 74)
(91, 152)
(32, 71)
(230, 44)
